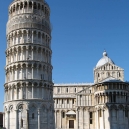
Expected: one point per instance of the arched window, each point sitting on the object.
(98, 75)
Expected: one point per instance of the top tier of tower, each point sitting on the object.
(32, 11)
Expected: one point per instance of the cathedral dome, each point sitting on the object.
(105, 59)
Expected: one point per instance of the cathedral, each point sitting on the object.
(31, 99)
(103, 104)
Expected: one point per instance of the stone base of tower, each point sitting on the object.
(29, 114)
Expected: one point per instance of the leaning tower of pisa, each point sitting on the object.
(28, 87)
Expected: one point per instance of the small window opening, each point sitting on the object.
(119, 75)
(67, 101)
(126, 98)
(91, 117)
(75, 89)
(32, 115)
(58, 90)
(67, 90)
(73, 101)
(21, 123)
(63, 114)
(57, 101)
(126, 113)
(62, 101)
(100, 113)
(111, 97)
(114, 98)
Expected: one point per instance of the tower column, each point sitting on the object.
(32, 90)
(8, 119)
(77, 118)
(16, 120)
(32, 73)
(26, 91)
(38, 118)
(32, 36)
(27, 71)
(55, 118)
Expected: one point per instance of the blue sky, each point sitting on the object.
(81, 30)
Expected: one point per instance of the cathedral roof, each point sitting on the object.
(105, 59)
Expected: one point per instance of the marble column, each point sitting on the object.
(103, 119)
(82, 118)
(97, 119)
(42, 92)
(22, 54)
(32, 54)
(32, 90)
(60, 119)
(16, 93)
(26, 71)
(8, 119)
(21, 72)
(55, 118)
(32, 36)
(38, 118)
(22, 92)
(37, 72)
(16, 73)
(32, 74)
(26, 91)
(77, 119)
(16, 120)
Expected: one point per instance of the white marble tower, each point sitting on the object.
(28, 100)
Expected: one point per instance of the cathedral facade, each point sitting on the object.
(28, 100)
(103, 104)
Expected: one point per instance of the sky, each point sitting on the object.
(81, 31)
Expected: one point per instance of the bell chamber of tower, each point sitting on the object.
(28, 102)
